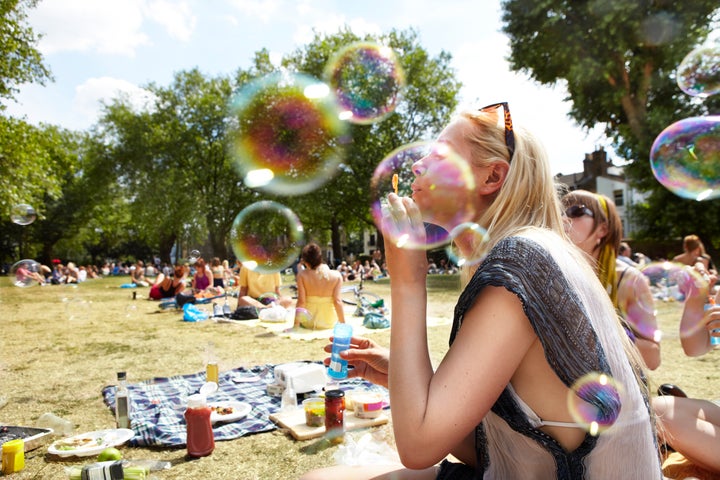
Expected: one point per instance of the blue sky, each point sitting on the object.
(97, 48)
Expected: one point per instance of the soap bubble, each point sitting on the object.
(685, 158)
(288, 138)
(267, 237)
(473, 236)
(23, 214)
(699, 72)
(594, 402)
(444, 193)
(367, 79)
(27, 273)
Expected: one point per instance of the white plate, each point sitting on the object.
(91, 443)
(239, 410)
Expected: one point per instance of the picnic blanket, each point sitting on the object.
(157, 405)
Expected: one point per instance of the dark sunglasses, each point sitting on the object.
(577, 211)
(509, 135)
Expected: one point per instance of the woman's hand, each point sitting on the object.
(370, 360)
(402, 224)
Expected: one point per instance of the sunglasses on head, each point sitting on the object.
(577, 211)
(509, 135)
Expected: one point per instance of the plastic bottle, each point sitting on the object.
(13, 456)
(122, 402)
(289, 397)
(212, 373)
(342, 333)
(200, 438)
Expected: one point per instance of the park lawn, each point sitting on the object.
(62, 344)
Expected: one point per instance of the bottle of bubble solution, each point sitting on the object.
(714, 341)
(200, 438)
(122, 402)
(342, 333)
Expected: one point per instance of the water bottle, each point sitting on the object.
(122, 402)
(289, 397)
(342, 333)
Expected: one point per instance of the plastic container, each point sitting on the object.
(314, 411)
(200, 438)
(335, 416)
(212, 372)
(367, 405)
(342, 333)
(13, 456)
(58, 425)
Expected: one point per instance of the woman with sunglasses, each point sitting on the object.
(593, 224)
(532, 322)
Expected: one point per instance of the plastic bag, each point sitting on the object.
(370, 449)
(275, 313)
(191, 313)
(375, 320)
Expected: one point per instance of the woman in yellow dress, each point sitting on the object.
(319, 305)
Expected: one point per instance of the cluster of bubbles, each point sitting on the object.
(685, 157)
(289, 132)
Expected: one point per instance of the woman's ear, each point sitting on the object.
(494, 177)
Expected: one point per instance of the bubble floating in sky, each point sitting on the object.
(286, 136)
(699, 72)
(367, 79)
(23, 214)
(443, 189)
(594, 401)
(26, 273)
(267, 237)
(685, 158)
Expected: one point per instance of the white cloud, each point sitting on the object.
(264, 10)
(90, 96)
(89, 25)
(177, 18)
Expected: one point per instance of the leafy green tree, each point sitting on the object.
(424, 107)
(617, 59)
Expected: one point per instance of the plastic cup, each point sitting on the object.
(314, 411)
(342, 333)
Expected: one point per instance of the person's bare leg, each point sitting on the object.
(371, 472)
(692, 427)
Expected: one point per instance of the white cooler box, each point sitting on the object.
(306, 377)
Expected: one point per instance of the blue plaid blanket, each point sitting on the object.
(157, 405)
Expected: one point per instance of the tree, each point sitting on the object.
(426, 103)
(617, 60)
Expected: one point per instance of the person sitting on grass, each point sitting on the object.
(319, 304)
(168, 287)
(261, 290)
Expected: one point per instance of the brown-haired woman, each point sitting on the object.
(319, 305)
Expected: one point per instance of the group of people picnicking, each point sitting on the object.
(557, 299)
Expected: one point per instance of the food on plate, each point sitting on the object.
(223, 410)
(74, 443)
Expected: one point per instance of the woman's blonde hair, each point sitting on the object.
(528, 197)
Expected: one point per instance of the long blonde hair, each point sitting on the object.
(528, 197)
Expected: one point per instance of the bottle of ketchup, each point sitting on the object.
(200, 438)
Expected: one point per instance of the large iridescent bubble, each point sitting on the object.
(699, 72)
(286, 133)
(367, 79)
(685, 158)
(23, 214)
(267, 237)
(26, 273)
(444, 191)
(594, 401)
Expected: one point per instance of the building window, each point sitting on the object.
(619, 198)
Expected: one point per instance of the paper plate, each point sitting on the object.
(91, 443)
(239, 410)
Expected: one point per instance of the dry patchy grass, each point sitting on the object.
(62, 344)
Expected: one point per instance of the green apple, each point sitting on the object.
(109, 454)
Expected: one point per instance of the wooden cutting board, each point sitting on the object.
(294, 421)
